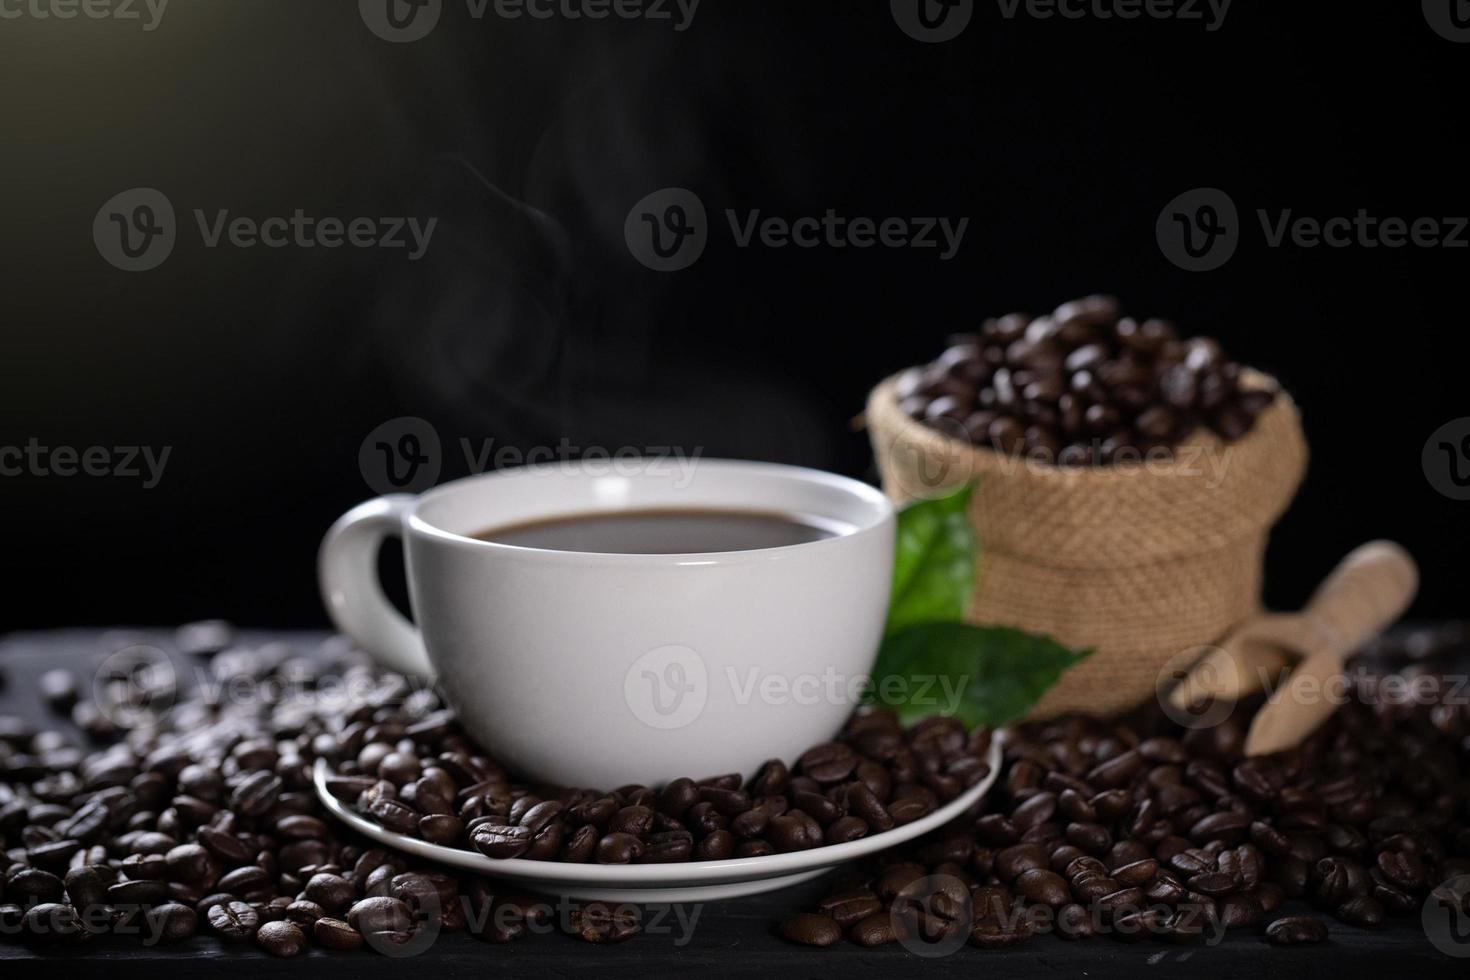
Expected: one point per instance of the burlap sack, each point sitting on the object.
(1144, 562)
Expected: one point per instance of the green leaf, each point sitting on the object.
(934, 563)
(983, 675)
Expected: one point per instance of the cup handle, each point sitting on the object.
(347, 571)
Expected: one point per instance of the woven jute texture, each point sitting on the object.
(1143, 561)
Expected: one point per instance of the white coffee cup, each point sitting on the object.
(598, 670)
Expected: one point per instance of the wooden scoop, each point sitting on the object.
(1367, 591)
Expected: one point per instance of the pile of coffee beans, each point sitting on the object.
(1081, 386)
(1141, 831)
(201, 818)
(193, 812)
(429, 783)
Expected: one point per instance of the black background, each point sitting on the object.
(528, 321)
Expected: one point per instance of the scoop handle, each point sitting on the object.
(1366, 592)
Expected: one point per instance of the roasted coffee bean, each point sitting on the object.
(304, 913)
(441, 828)
(32, 886)
(234, 921)
(599, 922)
(336, 934)
(1036, 809)
(1013, 861)
(51, 922)
(848, 907)
(1137, 872)
(875, 930)
(807, 929)
(618, 848)
(499, 841)
(174, 921)
(678, 796)
(1293, 930)
(1043, 887)
(227, 847)
(1403, 870)
(256, 793)
(844, 829)
(716, 846)
(332, 892)
(863, 802)
(828, 763)
(281, 938)
(243, 881)
(1363, 911)
(381, 916)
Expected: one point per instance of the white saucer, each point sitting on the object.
(690, 881)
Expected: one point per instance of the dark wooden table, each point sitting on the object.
(732, 938)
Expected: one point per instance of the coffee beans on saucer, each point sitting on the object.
(431, 783)
(1083, 385)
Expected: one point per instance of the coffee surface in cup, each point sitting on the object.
(665, 531)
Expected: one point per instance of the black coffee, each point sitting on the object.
(665, 531)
